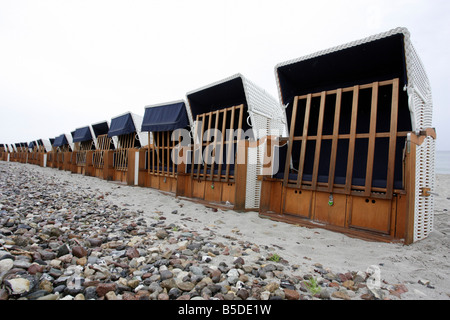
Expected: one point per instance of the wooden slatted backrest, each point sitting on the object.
(82, 148)
(120, 159)
(103, 144)
(159, 154)
(223, 147)
(336, 135)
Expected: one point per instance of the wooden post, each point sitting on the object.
(371, 147)
(73, 162)
(108, 164)
(216, 128)
(337, 114)
(304, 142)
(230, 145)
(89, 168)
(318, 141)
(241, 175)
(352, 140)
(392, 140)
(410, 186)
(143, 174)
(222, 145)
(131, 166)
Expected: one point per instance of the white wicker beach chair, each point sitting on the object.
(262, 114)
(393, 57)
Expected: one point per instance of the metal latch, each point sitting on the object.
(426, 192)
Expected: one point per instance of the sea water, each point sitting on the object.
(442, 164)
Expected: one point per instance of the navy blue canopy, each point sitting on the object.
(100, 128)
(60, 141)
(121, 125)
(31, 145)
(165, 117)
(82, 134)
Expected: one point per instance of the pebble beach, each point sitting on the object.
(66, 236)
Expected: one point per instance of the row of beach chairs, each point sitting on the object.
(348, 145)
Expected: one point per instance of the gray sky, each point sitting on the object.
(67, 64)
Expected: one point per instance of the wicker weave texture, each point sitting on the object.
(425, 178)
(142, 136)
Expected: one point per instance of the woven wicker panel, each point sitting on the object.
(425, 178)
(141, 136)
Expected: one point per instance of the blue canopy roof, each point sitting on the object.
(100, 128)
(165, 117)
(60, 141)
(82, 134)
(121, 125)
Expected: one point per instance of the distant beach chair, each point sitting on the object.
(43, 147)
(63, 147)
(126, 128)
(158, 166)
(84, 144)
(4, 152)
(103, 144)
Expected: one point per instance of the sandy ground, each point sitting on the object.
(423, 261)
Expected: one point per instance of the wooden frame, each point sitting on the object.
(38, 153)
(81, 148)
(226, 144)
(103, 145)
(3, 153)
(159, 171)
(122, 159)
(51, 157)
(60, 156)
(102, 158)
(159, 160)
(366, 211)
(83, 163)
(352, 136)
(226, 187)
(125, 142)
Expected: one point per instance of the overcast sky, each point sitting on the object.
(68, 64)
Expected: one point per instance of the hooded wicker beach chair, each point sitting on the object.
(230, 117)
(51, 155)
(63, 146)
(84, 144)
(22, 152)
(33, 152)
(4, 152)
(359, 158)
(103, 145)
(43, 147)
(14, 152)
(126, 128)
(158, 162)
